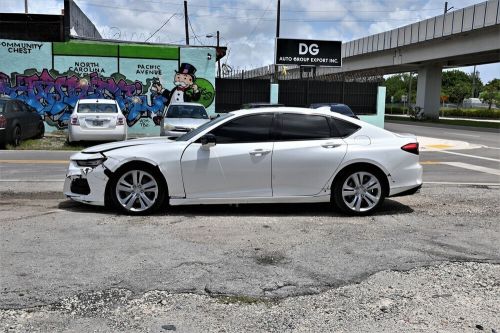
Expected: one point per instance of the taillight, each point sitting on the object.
(74, 121)
(120, 121)
(411, 148)
(3, 122)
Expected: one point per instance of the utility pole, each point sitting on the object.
(409, 92)
(186, 21)
(25, 6)
(216, 55)
(474, 82)
(277, 35)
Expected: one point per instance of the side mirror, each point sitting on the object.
(213, 116)
(208, 140)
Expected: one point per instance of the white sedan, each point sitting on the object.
(285, 155)
(97, 120)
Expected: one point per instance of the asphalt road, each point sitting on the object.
(472, 166)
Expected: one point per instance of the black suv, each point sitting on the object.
(18, 121)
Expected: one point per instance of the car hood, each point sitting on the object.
(122, 144)
(185, 122)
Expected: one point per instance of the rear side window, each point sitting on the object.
(96, 108)
(343, 128)
(2, 106)
(255, 128)
(303, 127)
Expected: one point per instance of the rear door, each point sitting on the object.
(305, 155)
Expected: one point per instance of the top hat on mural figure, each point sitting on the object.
(188, 69)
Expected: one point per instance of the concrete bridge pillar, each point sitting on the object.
(429, 90)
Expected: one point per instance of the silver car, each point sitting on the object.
(178, 119)
(97, 120)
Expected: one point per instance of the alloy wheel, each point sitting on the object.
(137, 190)
(361, 191)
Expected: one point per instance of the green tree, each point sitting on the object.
(398, 85)
(457, 85)
(491, 93)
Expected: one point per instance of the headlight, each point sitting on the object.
(90, 163)
(168, 127)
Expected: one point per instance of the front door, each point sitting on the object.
(238, 166)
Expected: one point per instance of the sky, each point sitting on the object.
(248, 27)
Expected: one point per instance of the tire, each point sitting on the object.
(358, 191)
(137, 189)
(16, 136)
(41, 131)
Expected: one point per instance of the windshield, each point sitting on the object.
(196, 131)
(2, 106)
(97, 108)
(342, 110)
(186, 111)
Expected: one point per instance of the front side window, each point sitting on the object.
(2, 106)
(186, 111)
(303, 127)
(96, 108)
(254, 128)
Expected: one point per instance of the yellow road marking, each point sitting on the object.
(34, 161)
(429, 162)
(439, 146)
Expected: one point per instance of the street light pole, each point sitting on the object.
(26, 6)
(218, 58)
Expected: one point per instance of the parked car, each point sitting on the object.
(18, 121)
(97, 120)
(336, 107)
(178, 119)
(281, 155)
(260, 105)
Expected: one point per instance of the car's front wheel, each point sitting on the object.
(137, 190)
(358, 192)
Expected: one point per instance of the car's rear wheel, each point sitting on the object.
(137, 190)
(358, 192)
(16, 136)
(41, 130)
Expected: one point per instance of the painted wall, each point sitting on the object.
(377, 119)
(51, 77)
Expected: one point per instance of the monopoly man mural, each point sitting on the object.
(143, 79)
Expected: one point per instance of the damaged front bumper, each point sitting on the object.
(86, 184)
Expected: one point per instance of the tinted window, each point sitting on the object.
(255, 128)
(344, 128)
(12, 107)
(2, 106)
(304, 127)
(96, 108)
(23, 107)
(186, 111)
(199, 129)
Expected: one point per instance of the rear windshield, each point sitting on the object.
(342, 109)
(2, 106)
(97, 108)
(186, 111)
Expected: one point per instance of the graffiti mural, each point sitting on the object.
(54, 95)
(136, 76)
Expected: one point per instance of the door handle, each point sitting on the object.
(330, 145)
(259, 152)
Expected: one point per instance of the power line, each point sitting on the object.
(255, 28)
(192, 30)
(165, 23)
(262, 10)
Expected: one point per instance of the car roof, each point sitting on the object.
(98, 100)
(282, 109)
(186, 103)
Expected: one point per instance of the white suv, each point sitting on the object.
(97, 120)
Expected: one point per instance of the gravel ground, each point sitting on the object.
(452, 297)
